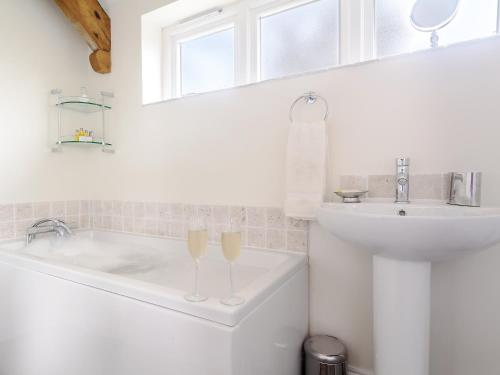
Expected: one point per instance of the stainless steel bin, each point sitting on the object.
(325, 355)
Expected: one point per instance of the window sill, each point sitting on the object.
(321, 71)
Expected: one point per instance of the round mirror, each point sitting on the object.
(432, 15)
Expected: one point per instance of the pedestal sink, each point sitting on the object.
(404, 239)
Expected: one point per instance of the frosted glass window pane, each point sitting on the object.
(300, 39)
(207, 63)
(396, 35)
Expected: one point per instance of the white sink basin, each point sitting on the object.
(426, 233)
(404, 239)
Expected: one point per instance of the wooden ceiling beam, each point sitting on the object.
(94, 24)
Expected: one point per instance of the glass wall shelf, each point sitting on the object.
(107, 147)
(82, 104)
(96, 142)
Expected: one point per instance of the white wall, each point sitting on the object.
(438, 107)
(40, 51)
(341, 294)
(412, 98)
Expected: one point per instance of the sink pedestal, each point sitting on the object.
(401, 315)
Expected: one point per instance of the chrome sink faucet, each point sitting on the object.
(46, 226)
(402, 180)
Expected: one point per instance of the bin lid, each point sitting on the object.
(325, 349)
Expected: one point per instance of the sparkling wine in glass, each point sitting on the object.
(197, 246)
(231, 248)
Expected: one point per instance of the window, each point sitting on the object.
(207, 62)
(187, 49)
(249, 41)
(300, 39)
(396, 35)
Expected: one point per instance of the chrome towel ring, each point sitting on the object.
(309, 98)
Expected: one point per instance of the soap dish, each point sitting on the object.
(351, 196)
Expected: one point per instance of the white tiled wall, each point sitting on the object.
(262, 227)
(422, 186)
(16, 218)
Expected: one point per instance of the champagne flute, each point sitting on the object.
(197, 246)
(231, 248)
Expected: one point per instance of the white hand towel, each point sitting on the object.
(305, 169)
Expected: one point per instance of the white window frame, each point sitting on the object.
(357, 31)
(356, 37)
(498, 17)
(175, 36)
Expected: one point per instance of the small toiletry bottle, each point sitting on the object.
(77, 136)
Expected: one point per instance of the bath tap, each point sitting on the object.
(402, 180)
(46, 226)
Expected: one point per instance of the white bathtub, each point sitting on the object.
(112, 304)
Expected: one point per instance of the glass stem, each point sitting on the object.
(231, 278)
(196, 283)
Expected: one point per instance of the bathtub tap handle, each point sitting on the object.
(46, 226)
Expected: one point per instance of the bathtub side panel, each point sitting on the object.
(50, 326)
(269, 341)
